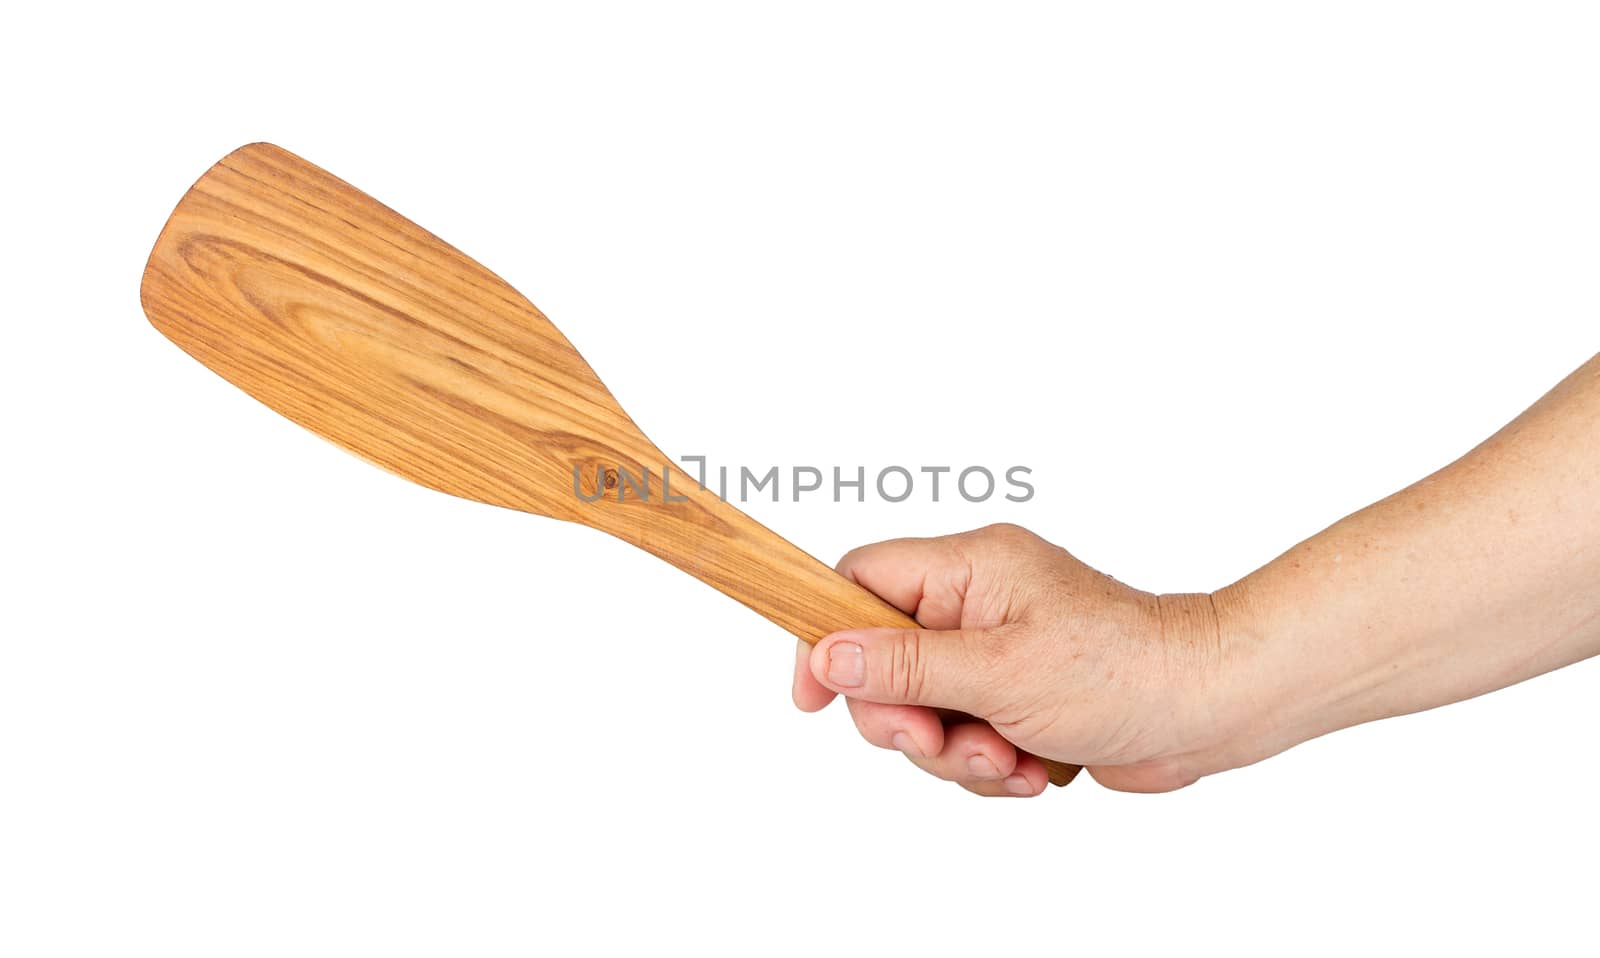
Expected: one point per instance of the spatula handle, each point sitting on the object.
(718, 544)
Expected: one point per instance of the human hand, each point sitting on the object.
(1478, 576)
(1047, 656)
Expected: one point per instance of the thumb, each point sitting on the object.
(904, 667)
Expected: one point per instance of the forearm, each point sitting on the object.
(1479, 576)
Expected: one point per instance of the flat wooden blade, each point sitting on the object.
(354, 322)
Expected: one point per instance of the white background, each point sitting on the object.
(1219, 273)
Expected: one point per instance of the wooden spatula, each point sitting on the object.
(370, 331)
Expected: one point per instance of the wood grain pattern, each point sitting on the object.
(366, 329)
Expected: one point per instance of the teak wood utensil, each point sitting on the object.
(373, 333)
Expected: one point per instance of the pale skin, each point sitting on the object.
(1479, 576)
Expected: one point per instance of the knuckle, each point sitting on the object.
(908, 666)
(851, 559)
(866, 555)
(1006, 534)
(1002, 542)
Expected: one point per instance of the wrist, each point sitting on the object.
(1245, 694)
(1291, 673)
(1199, 671)
(1258, 693)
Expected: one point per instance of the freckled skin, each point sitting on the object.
(1476, 577)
